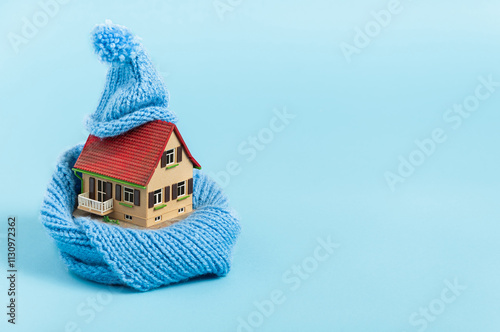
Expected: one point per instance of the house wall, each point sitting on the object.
(138, 213)
(163, 177)
(142, 215)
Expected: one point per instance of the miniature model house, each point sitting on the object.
(144, 176)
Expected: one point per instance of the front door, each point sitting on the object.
(101, 187)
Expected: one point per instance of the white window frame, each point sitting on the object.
(181, 210)
(157, 218)
(127, 217)
(130, 195)
(102, 191)
(170, 154)
(181, 185)
(158, 196)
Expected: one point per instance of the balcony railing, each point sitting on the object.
(91, 205)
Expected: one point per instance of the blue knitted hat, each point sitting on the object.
(134, 93)
(142, 259)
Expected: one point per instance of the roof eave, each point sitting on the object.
(110, 178)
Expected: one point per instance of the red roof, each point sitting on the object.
(132, 156)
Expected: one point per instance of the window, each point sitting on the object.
(181, 188)
(157, 195)
(128, 195)
(101, 190)
(170, 156)
(157, 218)
(128, 217)
(181, 210)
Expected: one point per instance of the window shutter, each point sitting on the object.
(174, 191)
(167, 193)
(137, 197)
(179, 154)
(91, 188)
(190, 186)
(108, 189)
(118, 192)
(164, 159)
(151, 199)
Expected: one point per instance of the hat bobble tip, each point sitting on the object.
(115, 43)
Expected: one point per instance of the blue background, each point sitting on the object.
(322, 176)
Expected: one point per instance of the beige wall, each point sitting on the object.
(138, 213)
(142, 215)
(166, 177)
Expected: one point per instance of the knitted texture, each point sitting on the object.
(142, 259)
(134, 93)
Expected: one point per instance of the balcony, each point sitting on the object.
(93, 206)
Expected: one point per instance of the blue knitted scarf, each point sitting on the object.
(199, 245)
